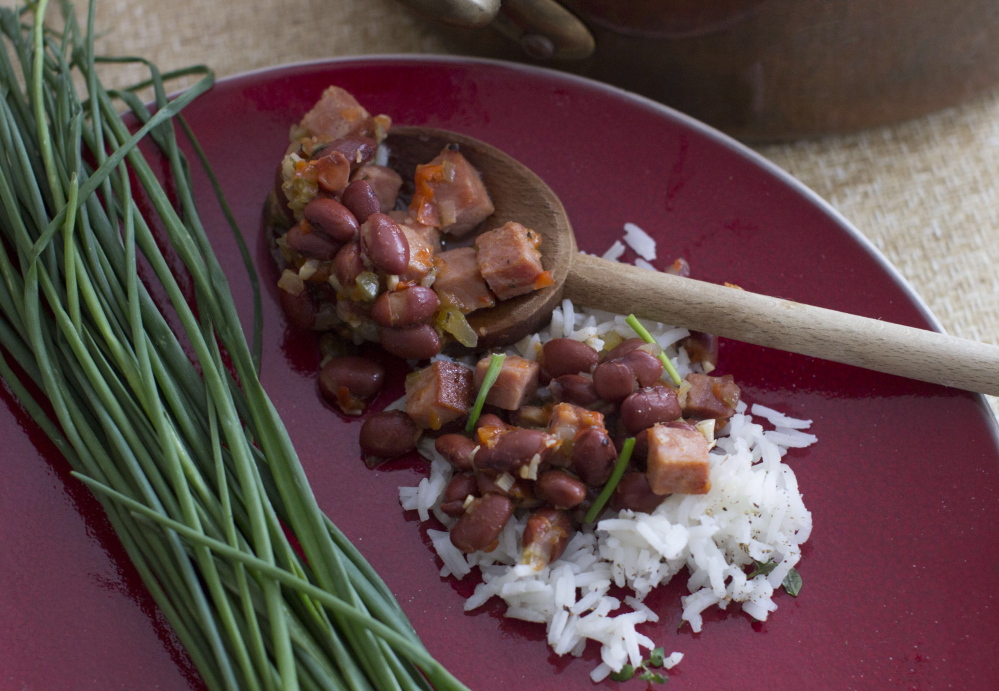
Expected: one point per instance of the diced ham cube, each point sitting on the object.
(509, 260)
(439, 394)
(337, 114)
(678, 461)
(516, 383)
(459, 282)
(711, 397)
(421, 255)
(450, 194)
(385, 183)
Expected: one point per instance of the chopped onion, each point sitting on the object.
(451, 320)
(367, 285)
(291, 282)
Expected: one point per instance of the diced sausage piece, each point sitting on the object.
(384, 181)
(450, 194)
(338, 114)
(421, 255)
(439, 394)
(510, 262)
(677, 462)
(517, 381)
(459, 282)
(711, 397)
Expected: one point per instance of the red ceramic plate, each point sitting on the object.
(901, 571)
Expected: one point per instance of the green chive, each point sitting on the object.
(495, 365)
(644, 334)
(605, 493)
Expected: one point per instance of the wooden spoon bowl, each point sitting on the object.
(520, 195)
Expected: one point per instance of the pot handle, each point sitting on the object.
(468, 14)
(542, 28)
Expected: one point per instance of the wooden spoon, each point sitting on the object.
(520, 195)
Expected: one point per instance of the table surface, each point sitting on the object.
(926, 192)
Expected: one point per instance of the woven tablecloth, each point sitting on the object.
(926, 192)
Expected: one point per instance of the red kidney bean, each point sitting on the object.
(361, 199)
(701, 347)
(456, 449)
(514, 449)
(633, 492)
(388, 434)
(480, 525)
(454, 509)
(347, 264)
(348, 381)
(331, 218)
(646, 407)
(457, 490)
(560, 489)
(521, 492)
(300, 310)
(407, 307)
(561, 356)
(491, 420)
(574, 388)
(646, 366)
(614, 381)
(413, 343)
(356, 150)
(680, 267)
(385, 183)
(308, 243)
(460, 486)
(384, 243)
(623, 348)
(545, 537)
(593, 456)
(332, 172)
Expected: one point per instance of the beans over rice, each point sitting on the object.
(577, 471)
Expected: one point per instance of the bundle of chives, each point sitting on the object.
(190, 460)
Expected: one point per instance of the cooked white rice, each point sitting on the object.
(754, 511)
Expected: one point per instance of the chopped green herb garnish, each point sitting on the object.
(633, 322)
(762, 568)
(792, 582)
(605, 493)
(654, 677)
(495, 365)
(626, 673)
(657, 657)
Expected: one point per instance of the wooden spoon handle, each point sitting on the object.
(785, 325)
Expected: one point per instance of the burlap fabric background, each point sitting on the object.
(926, 192)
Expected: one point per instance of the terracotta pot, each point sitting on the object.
(774, 69)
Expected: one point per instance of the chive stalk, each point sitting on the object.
(495, 365)
(644, 334)
(616, 474)
(171, 429)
